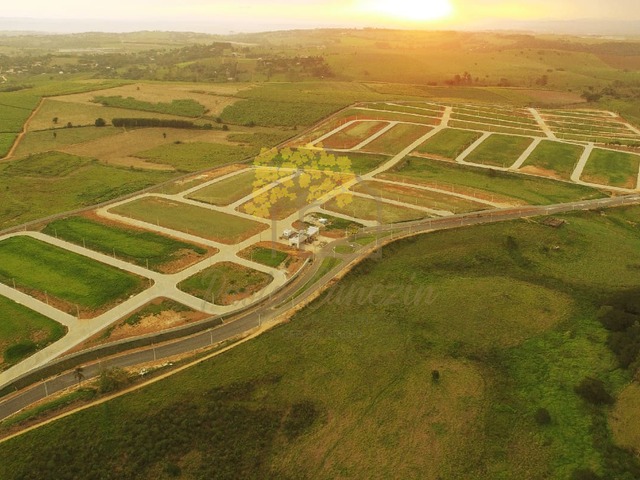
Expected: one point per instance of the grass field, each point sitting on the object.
(416, 196)
(304, 159)
(232, 189)
(353, 135)
(293, 195)
(396, 139)
(6, 142)
(499, 150)
(194, 156)
(23, 332)
(225, 283)
(271, 257)
(617, 169)
(74, 279)
(554, 158)
(43, 141)
(136, 246)
(202, 222)
(370, 209)
(301, 419)
(27, 185)
(507, 185)
(448, 143)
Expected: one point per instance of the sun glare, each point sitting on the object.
(414, 10)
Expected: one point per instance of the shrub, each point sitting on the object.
(113, 379)
(100, 122)
(542, 416)
(594, 391)
(435, 376)
(585, 474)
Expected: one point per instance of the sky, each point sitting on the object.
(216, 16)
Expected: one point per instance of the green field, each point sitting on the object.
(559, 159)
(42, 141)
(232, 189)
(23, 332)
(6, 142)
(353, 135)
(304, 159)
(617, 169)
(224, 283)
(509, 185)
(195, 156)
(397, 139)
(136, 246)
(499, 150)
(202, 222)
(370, 209)
(27, 185)
(270, 257)
(483, 127)
(448, 143)
(72, 278)
(184, 108)
(475, 422)
(416, 196)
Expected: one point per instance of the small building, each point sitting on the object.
(298, 240)
(312, 232)
(288, 233)
(323, 221)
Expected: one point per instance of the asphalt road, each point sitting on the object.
(251, 319)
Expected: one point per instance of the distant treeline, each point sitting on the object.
(157, 122)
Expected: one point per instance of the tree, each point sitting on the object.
(435, 376)
(55, 120)
(594, 391)
(112, 379)
(69, 124)
(100, 122)
(79, 374)
(542, 416)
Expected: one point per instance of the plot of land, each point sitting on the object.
(203, 222)
(448, 143)
(498, 186)
(225, 283)
(292, 195)
(271, 257)
(553, 159)
(304, 159)
(45, 140)
(23, 331)
(232, 189)
(38, 267)
(416, 196)
(183, 184)
(369, 209)
(141, 247)
(353, 135)
(617, 169)
(499, 150)
(397, 139)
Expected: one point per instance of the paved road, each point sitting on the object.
(249, 321)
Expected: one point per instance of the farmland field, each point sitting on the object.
(6, 141)
(140, 247)
(39, 267)
(617, 169)
(396, 139)
(181, 107)
(370, 209)
(195, 156)
(499, 150)
(448, 143)
(42, 141)
(505, 186)
(416, 196)
(554, 159)
(353, 135)
(202, 222)
(27, 185)
(225, 283)
(23, 331)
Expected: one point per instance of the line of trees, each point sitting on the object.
(157, 122)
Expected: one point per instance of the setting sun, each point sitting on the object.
(415, 10)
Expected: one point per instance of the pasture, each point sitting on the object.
(225, 283)
(141, 247)
(476, 417)
(499, 150)
(199, 221)
(42, 269)
(23, 332)
(616, 169)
